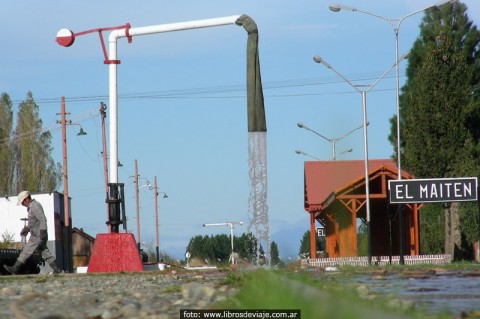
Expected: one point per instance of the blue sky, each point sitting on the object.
(182, 105)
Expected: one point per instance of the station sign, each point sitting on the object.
(434, 190)
(320, 232)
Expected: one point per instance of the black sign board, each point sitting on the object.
(433, 190)
(320, 232)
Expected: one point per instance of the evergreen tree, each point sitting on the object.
(35, 169)
(440, 104)
(6, 149)
(432, 224)
(200, 247)
(246, 246)
(362, 240)
(304, 249)
(218, 248)
(274, 254)
(222, 247)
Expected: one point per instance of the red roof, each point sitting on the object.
(322, 178)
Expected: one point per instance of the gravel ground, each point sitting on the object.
(106, 296)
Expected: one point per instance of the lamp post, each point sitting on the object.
(137, 201)
(331, 140)
(64, 122)
(155, 189)
(66, 231)
(395, 24)
(363, 93)
(231, 225)
(300, 152)
(103, 115)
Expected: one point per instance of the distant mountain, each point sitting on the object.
(288, 237)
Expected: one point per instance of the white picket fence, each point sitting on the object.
(376, 260)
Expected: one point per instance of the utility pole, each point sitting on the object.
(103, 115)
(137, 204)
(66, 230)
(63, 122)
(155, 195)
(155, 189)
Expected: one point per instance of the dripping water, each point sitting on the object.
(257, 202)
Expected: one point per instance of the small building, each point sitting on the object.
(334, 196)
(82, 244)
(14, 219)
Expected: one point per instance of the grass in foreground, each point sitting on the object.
(264, 289)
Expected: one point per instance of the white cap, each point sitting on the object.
(22, 196)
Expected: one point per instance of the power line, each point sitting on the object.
(215, 90)
(52, 127)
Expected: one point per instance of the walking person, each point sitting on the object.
(37, 227)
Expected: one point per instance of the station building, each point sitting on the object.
(334, 197)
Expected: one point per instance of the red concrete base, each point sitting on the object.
(115, 252)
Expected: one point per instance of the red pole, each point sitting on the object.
(313, 248)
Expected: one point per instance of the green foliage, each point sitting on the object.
(218, 248)
(35, 169)
(151, 251)
(246, 246)
(6, 146)
(437, 105)
(234, 278)
(171, 289)
(274, 254)
(305, 244)
(25, 152)
(320, 299)
(199, 246)
(362, 240)
(440, 112)
(469, 221)
(432, 225)
(7, 240)
(221, 246)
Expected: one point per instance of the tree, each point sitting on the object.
(304, 249)
(246, 246)
(274, 254)
(35, 169)
(199, 246)
(431, 224)
(218, 247)
(6, 148)
(222, 247)
(7, 240)
(150, 250)
(440, 105)
(362, 240)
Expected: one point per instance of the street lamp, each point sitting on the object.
(395, 24)
(331, 140)
(66, 230)
(231, 225)
(363, 92)
(300, 152)
(64, 122)
(156, 193)
(137, 205)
